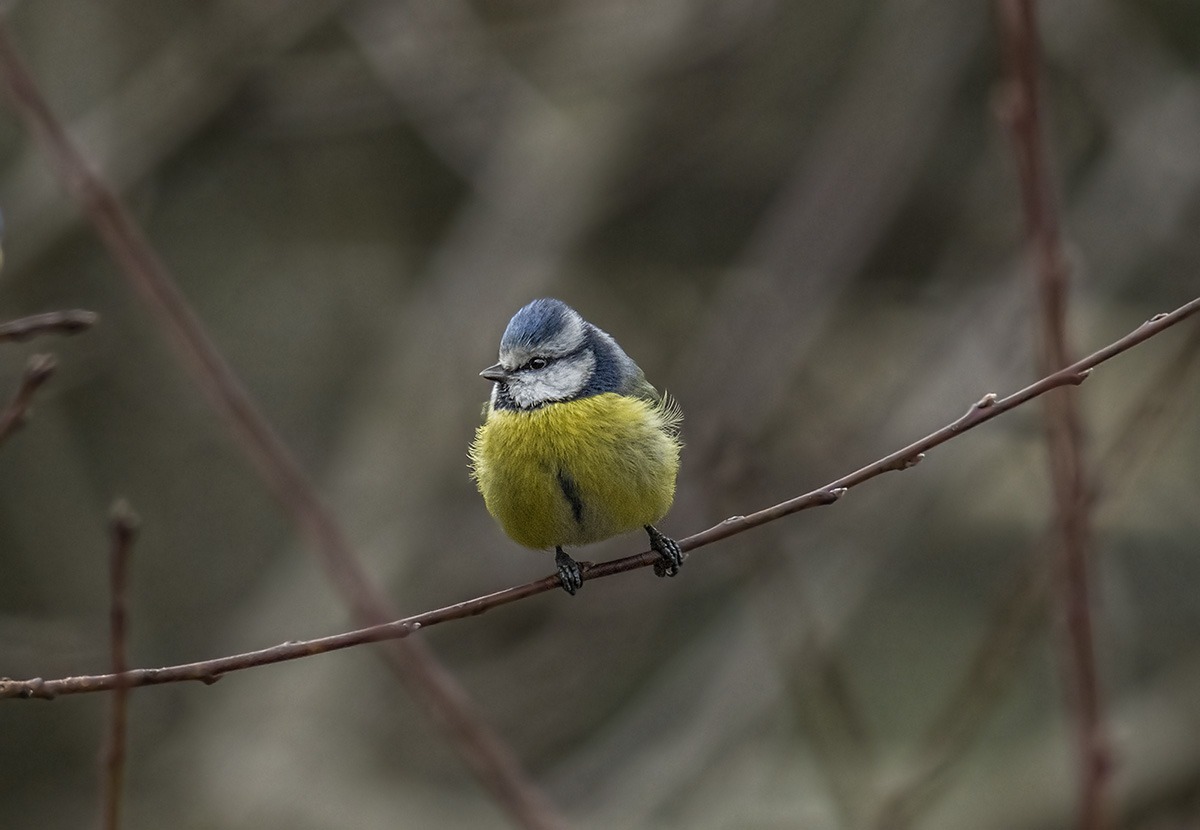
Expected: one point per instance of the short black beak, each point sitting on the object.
(494, 373)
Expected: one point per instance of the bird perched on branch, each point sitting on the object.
(576, 447)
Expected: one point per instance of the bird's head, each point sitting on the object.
(547, 354)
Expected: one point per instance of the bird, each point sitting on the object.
(576, 446)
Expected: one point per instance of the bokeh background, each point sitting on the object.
(801, 218)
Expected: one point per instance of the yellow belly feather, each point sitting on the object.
(577, 472)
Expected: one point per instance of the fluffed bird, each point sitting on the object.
(576, 445)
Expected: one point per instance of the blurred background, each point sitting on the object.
(801, 218)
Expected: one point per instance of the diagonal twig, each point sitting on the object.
(123, 526)
(53, 322)
(1064, 432)
(1022, 609)
(987, 408)
(37, 371)
(484, 752)
(175, 91)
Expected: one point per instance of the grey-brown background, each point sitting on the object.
(801, 218)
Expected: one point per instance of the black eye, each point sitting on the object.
(538, 363)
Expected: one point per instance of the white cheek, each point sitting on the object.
(554, 383)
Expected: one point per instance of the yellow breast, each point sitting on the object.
(577, 472)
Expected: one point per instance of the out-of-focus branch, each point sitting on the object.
(1023, 607)
(54, 322)
(847, 189)
(482, 749)
(37, 371)
(40, 366)
(164, 101)
(122, 529)
(1150, 417)
(1063, 430)
(988, 407)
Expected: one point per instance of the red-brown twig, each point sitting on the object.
(988, 407)
(37, 371)
(53, 322)
(1063, 427)
(1021, 611)
(442, 696)
(122, 529)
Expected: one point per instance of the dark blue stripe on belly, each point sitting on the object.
(570, 489)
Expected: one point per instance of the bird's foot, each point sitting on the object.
(670, 557)
(569, 572)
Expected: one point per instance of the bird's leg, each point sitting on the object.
(670, 557)
(569, 573)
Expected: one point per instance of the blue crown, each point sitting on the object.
(535, 323)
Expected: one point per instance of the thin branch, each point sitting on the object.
(173, 92)
(37, 371)
(1023, 608)
(122, 528)
(988, 407)
(54, 322)
(1150, 418)
(485, 753)
(1063, 424)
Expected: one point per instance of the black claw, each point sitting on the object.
(670, 557)
(569, 573)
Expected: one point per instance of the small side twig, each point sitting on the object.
(54, 322)
(122, 530)
(210, 671)
(37, 371)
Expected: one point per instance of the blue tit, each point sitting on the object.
(576, 446)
